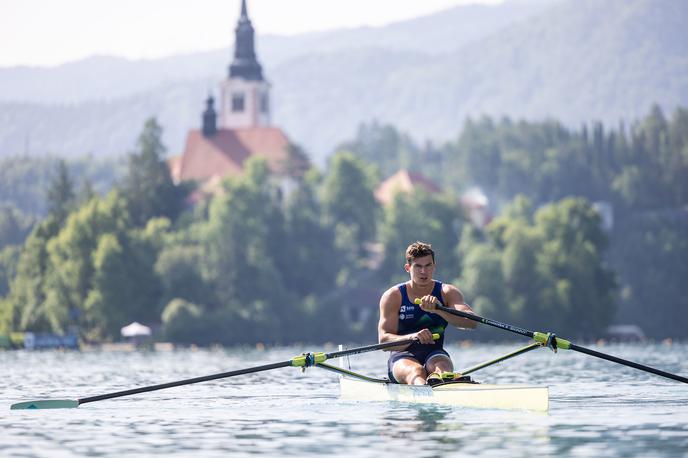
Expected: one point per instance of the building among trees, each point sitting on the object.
(241, 125)
(403, 181)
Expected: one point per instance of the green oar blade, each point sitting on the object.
(47, 404)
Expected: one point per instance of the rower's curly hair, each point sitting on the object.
(418, 250)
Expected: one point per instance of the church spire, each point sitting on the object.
(245, 65)
(209, 118)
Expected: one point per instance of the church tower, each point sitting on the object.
(237, 126)
(245, 94)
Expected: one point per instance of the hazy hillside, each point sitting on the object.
(573, 60)
(106, 77)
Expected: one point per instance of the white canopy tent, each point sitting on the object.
(135, 329)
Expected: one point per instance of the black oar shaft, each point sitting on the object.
(189, 381)
(382, 346)
(625, 362)
(564, 344)
(479, 319)
(266, 367)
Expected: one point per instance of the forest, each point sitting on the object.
(97, 245)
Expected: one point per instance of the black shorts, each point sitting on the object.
(418, 354)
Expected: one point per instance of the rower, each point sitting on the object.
(401, 319)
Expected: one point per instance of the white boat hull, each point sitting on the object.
(517, 397)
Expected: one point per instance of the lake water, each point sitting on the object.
(597, 408)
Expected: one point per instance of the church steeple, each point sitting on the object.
(245, 65)
(209, 118)
(245, 94)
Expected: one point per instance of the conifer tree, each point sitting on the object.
(147, 185)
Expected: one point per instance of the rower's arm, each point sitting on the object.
(453, 298)
(390, 302)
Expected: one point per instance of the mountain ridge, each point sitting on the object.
(576, 61)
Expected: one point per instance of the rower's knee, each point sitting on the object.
(439, 364)
(416, 376)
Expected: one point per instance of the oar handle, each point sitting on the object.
(479, 319)
(382, 346)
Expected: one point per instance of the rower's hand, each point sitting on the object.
(424, 336)
(428, 303)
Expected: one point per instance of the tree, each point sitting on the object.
(179, 270)
(124, 286)
(349, 203)
(579, 287)
(650, 250)
(26, 304)
(434, 219)
(384, 147)
(549, 273)
(244, 251)
(60, 193)
(297, 162)
(313, 258)
(14, 226)
(147, 185)
(9, 258)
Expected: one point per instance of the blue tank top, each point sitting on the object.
(412, 318)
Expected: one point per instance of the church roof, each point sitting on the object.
(403, 181)
(223, 154)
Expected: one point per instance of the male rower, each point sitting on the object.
(401, 318)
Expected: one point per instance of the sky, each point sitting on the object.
(51, 32)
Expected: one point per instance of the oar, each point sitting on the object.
(554, 342)
(305, 360)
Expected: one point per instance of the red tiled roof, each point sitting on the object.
(224, 153)
(403, 181)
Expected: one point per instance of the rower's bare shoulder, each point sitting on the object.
(452, 293)
(391, 298)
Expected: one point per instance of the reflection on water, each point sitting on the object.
(597, 409)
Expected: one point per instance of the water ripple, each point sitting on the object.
(597, 408)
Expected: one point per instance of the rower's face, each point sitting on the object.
(421, 269)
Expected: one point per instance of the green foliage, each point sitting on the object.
(425, 217)
(264, 263)
(546, 273)
(349, 203)
(24, 181)
(653, 271)
(182, 321)
(482, 279)
(26, 301)
(384, 147)
(312, 259)
(243, 247)
(646, 167)
(95, 272)
(125, 287)
(61, 196)
(14, 225)
(9, 259)
(147, 186)
(188, 323)
(179, 269)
